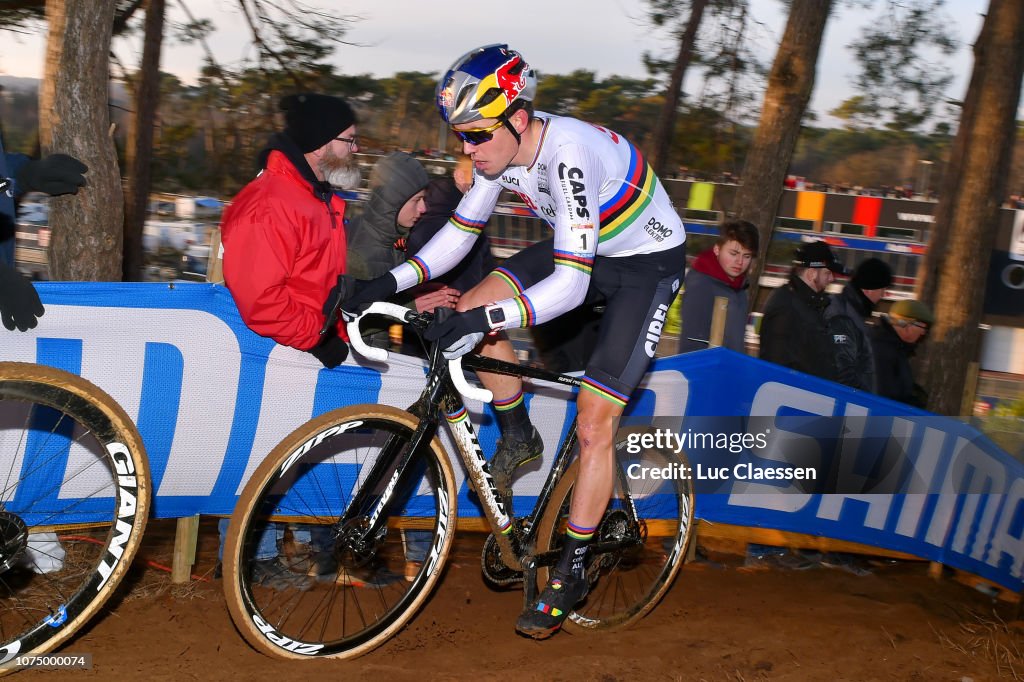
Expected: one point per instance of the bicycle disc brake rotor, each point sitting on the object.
(494, 569)
(355, 550)
(13, 539)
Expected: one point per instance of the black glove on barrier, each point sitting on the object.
(19, 302)
(460, 333)
(330, 352)
(55, 175)
(364, 293)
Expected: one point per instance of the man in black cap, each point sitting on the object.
(284, 234)
(847, 314)
(794, 333)
(284, 247)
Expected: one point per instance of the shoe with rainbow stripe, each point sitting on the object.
(545, 617)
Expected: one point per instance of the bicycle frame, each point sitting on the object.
(516, 543)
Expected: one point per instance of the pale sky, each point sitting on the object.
(555, 36)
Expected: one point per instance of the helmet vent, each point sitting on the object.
(488, 97)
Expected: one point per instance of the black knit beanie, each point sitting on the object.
(313, 120)
(873, 273)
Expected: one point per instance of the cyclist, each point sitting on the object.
(617, 238)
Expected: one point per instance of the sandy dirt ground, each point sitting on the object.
(720, 621)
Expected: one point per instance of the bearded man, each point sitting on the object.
(284, 234)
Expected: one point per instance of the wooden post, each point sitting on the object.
(186, 536)
(214, 263)
(186, 533)
(716, 335)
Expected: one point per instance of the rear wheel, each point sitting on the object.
(656, 514)
(74, 498)
(301, 492)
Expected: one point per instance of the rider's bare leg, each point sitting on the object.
(595, 430)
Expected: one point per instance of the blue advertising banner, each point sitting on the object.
(211, 399)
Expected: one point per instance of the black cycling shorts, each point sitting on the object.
(637, 292)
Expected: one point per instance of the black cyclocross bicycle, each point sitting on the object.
(373, 479)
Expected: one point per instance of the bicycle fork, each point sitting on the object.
(362, 536)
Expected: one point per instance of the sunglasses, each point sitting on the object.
(478, 135)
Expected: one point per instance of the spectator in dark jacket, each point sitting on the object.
(55, 175)
(719, 271)
(794, 333)
(847, 315)
(893, 341)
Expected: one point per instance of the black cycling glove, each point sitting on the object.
(363, 293)
(331, 352)
(459, 333)
(19, 302)
(55, 175)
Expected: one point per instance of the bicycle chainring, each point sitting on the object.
(496, 573)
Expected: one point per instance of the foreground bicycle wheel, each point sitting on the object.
(626, 584)
(74, 499)
(296, 498)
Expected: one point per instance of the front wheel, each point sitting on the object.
(654, 515)
(74, 498)
(314, 565)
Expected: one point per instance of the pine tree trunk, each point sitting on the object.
(952, 280)
(74, 119)
(789, 90)
(669, 110)
(139, 154)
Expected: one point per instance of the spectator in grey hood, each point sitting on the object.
(377, 239)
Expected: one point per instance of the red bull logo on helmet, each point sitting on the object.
(446, 97)
(511, 84)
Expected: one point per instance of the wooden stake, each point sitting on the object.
(719, 310)
(214, 263)
(186, 535)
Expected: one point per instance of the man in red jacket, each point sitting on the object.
(284, 247)
(284, 234)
